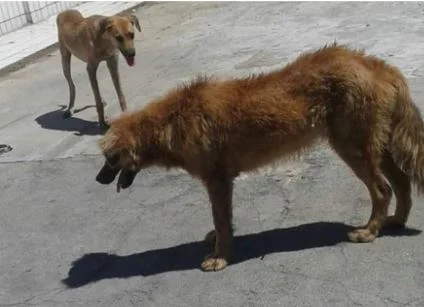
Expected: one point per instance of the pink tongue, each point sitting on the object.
(130, 60)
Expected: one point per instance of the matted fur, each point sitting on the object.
(215, 129)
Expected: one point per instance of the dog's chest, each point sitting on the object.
(105, 52)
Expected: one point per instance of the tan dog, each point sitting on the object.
(216, 129)
(95, 39)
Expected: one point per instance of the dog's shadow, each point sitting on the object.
(97, 266)
(54, 120)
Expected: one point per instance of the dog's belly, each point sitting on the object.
(75, 46)
(255, 153)
(80, 54)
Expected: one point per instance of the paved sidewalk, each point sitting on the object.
(20, 44)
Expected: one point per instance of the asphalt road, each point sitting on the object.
(67, 241)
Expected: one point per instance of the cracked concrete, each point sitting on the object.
(67, 241)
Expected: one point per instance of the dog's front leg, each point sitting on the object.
(112, 65)
(220, 190)
(92, 74)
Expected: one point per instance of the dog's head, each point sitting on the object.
(122, 155)
(121, 30)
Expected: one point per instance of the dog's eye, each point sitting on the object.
(131, 35)
(119, 38)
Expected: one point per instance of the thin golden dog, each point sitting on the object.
(216, 129)
(95, 39)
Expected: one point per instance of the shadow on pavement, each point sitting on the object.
(97, 266)
(4, 148)
(54, 121)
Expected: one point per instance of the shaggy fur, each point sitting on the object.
(216, 129)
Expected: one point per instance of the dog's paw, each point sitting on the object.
(392, 222)
(67, 114)
(210, 238)
(361, 235)
(213, 263)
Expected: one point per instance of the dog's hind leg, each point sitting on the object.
(92, 74)
(220, 190)
(66, 66)
(112, 65)
(366, 165)
(401, 185)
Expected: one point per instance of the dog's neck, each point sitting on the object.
(155, 141)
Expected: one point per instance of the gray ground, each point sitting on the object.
(67, 241)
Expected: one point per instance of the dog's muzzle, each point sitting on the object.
(129, 56)
(107, 175)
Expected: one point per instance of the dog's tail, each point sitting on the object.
(407, 141)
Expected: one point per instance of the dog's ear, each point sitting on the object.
(103, 25)
(134, 20)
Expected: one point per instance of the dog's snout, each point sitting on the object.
(129, 52)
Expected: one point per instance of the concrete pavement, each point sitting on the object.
(67, 241)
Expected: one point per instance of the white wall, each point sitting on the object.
(16, 14)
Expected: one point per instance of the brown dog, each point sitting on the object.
(95, 39)
(216, 129)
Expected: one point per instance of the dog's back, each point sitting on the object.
(334, 93)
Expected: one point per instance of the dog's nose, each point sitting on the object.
(130, 52)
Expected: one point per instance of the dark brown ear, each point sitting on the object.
(107, 174)
(134, 20)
